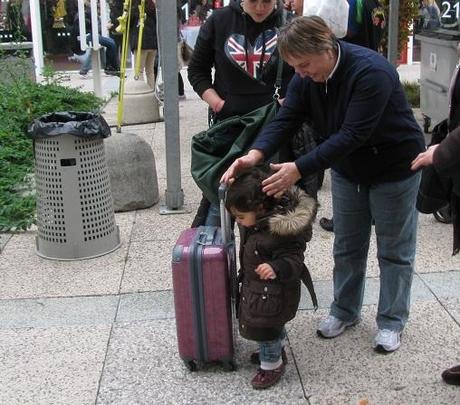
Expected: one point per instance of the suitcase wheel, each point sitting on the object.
(190, 364)
(229, 365)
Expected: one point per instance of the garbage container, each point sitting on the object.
(439, 57)
(75, 216)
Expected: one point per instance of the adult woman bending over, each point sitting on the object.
(355, 101)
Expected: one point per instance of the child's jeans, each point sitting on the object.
(270, 351)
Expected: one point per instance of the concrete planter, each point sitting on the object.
(14, 66)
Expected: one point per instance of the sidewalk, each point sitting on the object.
(102, 331)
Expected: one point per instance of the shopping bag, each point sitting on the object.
(215, 149)
(333, 12)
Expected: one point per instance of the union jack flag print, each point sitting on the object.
(235, 51)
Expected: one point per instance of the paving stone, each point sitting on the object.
(148, 267)
(445, 284)
(345, 368)
(142, 368)
(23, 274)
(51, 365)
(325, 293)
(4, 238)
(146, 306)
(452, 306)
(56, 312)
(151, 226)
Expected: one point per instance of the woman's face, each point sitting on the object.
(258, 10)
(317, 67)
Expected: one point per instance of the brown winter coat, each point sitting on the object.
(446, 160)
(278, 239)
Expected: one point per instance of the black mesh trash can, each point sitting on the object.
(75, 216)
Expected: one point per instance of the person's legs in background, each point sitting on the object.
(113, 65)
(213, 216)
(117, 39)
(149, 66)
(326, 223)
(181, 86)
(86, 65)
(141, 62)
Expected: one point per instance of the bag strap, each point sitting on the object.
(279, 70)
(308, 282)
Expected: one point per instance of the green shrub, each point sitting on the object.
(22, 101)
(412, 90)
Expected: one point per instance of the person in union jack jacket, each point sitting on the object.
(240, 42)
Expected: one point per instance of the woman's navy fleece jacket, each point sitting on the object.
(367, 129)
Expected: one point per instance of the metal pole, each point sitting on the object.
(393, 31)
(104, 20)
(167, 20)
(95, 54)
(37, 38)
(81, 25)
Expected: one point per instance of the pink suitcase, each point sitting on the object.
(204, 275)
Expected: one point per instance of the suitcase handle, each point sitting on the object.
(228, 240)
(225, 218)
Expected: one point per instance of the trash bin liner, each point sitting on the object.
(75, 215)
(81, 124)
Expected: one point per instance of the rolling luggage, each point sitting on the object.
(204, 284)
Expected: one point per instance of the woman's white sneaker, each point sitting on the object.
(387, 341)
(331, 326)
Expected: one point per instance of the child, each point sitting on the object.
(273, 240)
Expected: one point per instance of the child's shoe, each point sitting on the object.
(266, 378)
(256, 360)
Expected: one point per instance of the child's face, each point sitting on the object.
(246, 219)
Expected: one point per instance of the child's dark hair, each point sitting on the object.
(245, 193)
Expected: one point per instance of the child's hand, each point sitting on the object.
(265, 272)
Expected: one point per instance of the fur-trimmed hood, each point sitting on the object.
(296, 211)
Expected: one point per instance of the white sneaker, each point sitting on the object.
(387, 341)
(331, 326)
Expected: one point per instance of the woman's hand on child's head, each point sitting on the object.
(286, 176)
(253, 157)
(265, 272)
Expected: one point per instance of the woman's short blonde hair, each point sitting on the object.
(305, 36)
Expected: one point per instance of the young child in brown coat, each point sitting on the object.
(273, 240)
